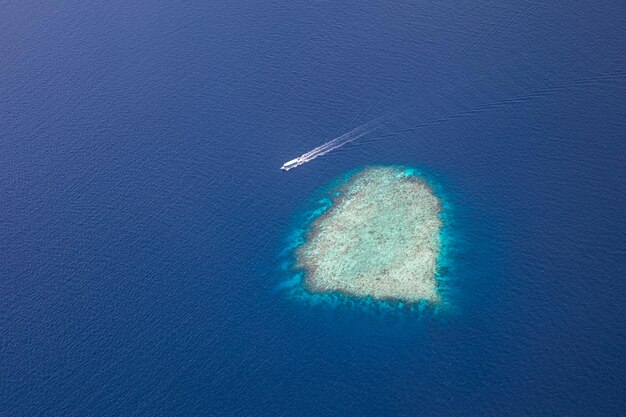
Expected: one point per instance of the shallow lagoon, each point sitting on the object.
(376, 237)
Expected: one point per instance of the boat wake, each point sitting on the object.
(333, 144)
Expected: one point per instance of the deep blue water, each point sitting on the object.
(143, 211)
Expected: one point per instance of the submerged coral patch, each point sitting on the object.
(379, 238)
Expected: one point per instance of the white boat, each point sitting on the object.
(290, 164)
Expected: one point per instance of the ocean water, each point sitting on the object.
(143, 212)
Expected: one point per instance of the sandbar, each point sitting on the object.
(380, 239)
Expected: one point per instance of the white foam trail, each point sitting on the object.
(335, 143)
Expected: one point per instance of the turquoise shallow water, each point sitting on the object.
(292, 277)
